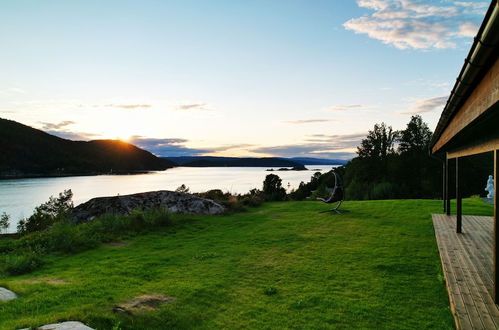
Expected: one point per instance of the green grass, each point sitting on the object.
(281, 265)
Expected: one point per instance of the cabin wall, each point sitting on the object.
(483, 97)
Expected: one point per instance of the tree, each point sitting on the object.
(4, 222)
(54, 210)
(272, 188)
(416, 137)
(379, 142)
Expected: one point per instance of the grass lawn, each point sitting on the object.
(376, 266)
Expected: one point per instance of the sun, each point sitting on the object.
(124, 138)
(118, 133)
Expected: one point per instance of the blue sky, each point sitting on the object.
(233, 78)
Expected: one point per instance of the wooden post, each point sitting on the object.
(447, 194)
(444, 193)
(459, 201)
(496, 246)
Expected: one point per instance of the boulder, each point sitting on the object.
(175, 202)
(69, 325)
(7, 294)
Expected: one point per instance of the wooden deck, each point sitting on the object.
(467, 265)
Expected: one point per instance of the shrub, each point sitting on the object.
(182, 189)
(69, 238)
(137, 221)
(272, 188)
(22, 264)
(48, 213)
(4, 222)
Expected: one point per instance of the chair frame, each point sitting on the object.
(337, 185)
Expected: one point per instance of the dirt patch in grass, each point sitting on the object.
(143, 303)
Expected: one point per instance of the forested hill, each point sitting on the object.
(25, 151)
(209, 161)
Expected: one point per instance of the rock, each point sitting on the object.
(7, 294)
(143, 303)
(175, 202)
(69, 325)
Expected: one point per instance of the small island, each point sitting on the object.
(294, 168)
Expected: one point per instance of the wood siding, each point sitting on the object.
(484, 96)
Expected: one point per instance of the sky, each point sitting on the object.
(288, 78)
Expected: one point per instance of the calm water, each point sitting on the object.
(19, 197)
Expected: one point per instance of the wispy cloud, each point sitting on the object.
(418, 24)
(60, 129)
(426, 105)
(75, 136)
(128, 106)
(56, 126)
(167, 147)
(344, 141)
(15, 90)
(308, 121)
(318, 145)
(192, 106)
(304, 150)
(12, 90)
(345, 107)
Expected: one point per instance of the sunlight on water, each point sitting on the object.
(19, 197)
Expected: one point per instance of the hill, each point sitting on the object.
(210, 161)
(30, 152)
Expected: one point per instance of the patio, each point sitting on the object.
(467, 261)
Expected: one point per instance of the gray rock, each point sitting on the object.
(175, 202)
(7, 294)
(69, 325)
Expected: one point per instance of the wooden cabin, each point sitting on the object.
(469, 125)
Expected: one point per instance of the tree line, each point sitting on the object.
(394, 164)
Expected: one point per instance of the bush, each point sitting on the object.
(69, 238)
(137, 221)
(234, 203)
(48, 213)
(4, 222)
(22, 264)
(272, 188)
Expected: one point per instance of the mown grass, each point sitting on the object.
(281, 265)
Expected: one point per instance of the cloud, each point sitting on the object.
(75, 136)
(427, 105)
(128, 106)
(60, 130)
(308, 121)
(168, 147)
(319, 146)
(468, 29)
(416, 24)
(345, 107)
(337, 141)
(57, 126)
(304, 150)
(15, 90)
(192, 106)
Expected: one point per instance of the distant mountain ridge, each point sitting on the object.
(213, 161)
(26, 151)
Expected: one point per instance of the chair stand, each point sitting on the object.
(336, 209)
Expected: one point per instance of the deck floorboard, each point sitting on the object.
(467, 266)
